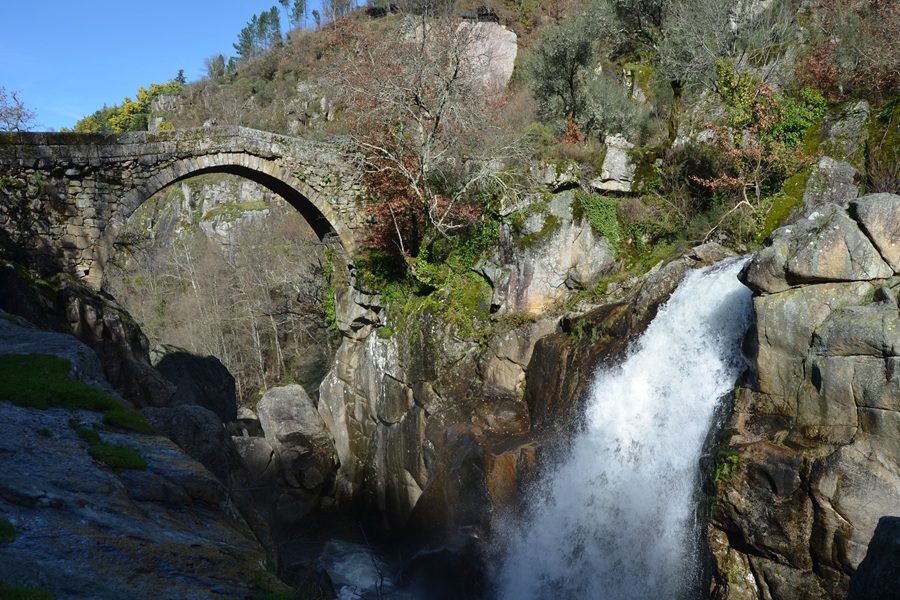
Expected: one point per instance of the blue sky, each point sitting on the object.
(67, 59)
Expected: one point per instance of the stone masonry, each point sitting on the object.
(65, 196)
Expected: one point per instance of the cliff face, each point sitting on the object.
(80, 521)
(811, 459)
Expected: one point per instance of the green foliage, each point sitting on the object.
(131, 115)
(232, 211)
(558, 68)
(609, 108)
(882, 165)
(262, 32)
(601, 214)
(532, 239)
(15, 592)
(737, 90)
(329, 306)
(440, 281)
(798, 114)
(40, 381)
(128, 419)
(7, 531)
(727, 462)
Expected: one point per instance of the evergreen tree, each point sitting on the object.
(273, 33)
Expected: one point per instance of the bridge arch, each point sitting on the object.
(65, 196)
(267, 173)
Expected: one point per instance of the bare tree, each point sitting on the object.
(699, 33)
(422, 107)
(14, 116)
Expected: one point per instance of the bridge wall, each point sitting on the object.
(63, 197)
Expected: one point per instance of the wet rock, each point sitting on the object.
(509, 355)
(815, 429)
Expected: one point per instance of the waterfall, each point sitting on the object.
(614, 518)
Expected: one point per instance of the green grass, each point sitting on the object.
(116, 456)
(41, 381)
(15, 592)
(127, 418)
(232, 211)
(7, 531)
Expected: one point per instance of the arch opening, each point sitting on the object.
(261, 171)
(220, 264)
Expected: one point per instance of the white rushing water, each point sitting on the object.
(614, 519)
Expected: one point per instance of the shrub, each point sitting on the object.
(727, 462)
(855, 52)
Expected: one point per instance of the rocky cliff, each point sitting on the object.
(90, 508)
(809, 458)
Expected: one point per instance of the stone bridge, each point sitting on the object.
(65, 196)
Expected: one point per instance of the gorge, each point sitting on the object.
(393, 307)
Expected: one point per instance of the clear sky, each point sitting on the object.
(68, 58)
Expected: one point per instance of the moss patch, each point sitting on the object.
(7, 532)
(600, 212)
(41, 381)
(726, 466)
(232, 211)
(116, 456)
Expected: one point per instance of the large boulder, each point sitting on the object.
(879, 218)
(617, 171)
(86, 530)
(201, 381)
(200, 433)
(826, 245)
(293, 428)
(554, 252)
(830, 182)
